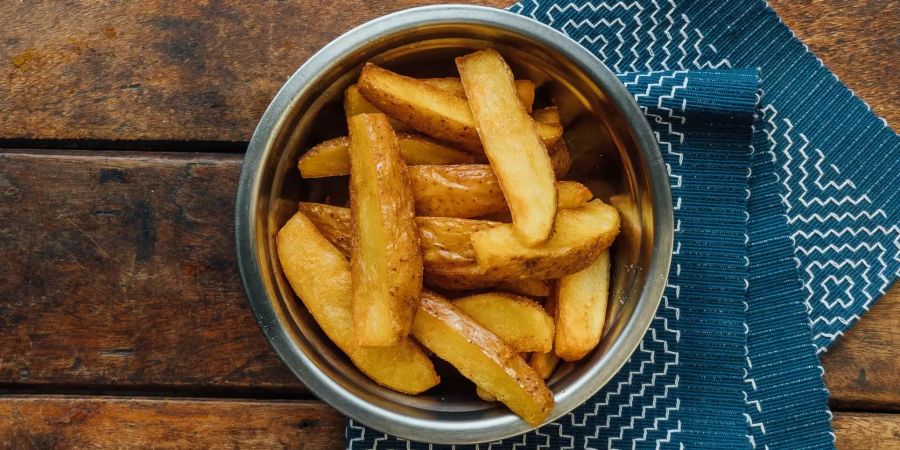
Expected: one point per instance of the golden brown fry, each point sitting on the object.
(561, 159)
(581, 300)
(545, 363)
(578, 238)
(484, 395)
(320, 276)
(429, 109)
(332, 157)
(355, 103)
(445, 241)
(511, 142)
(524, 88)
(446, 247)
(519, 321)
(482, 357)
(385, 258)
(548, 115)
(531, 288)
(472, 190)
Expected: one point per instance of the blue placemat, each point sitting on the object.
(800, 176)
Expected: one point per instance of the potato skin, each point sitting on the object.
(320, 276)
(386, 262)
(579, 236)
(482, 357)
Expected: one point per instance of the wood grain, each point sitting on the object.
(119, 273)
(159, 70)
(859, 42)
(43, 422)
(862, 369)
(118, 270)
(860, 431)
(163, 71)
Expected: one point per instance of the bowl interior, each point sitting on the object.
(606, 157)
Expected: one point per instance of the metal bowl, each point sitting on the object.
(615, 153)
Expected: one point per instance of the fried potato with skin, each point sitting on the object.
(579, 236)
(560, 158)
(531, 288)
(581, 300)
(332, 157)
(445, 241)
(511, 142)
(355, 103)
(430, 109)
(545, 363)
(320, 275)
(473, 190)
(524, 88)
(519, 321)
(386, 261)
(482, 357)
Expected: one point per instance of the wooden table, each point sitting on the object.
(122, 319)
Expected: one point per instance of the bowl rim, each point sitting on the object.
(331, 392)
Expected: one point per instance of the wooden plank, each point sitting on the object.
(859, 43)
(159, 70)
(862, 370)
(110, 422)
(44, 422)
(119, 273)
(860, 431)
(119, 270)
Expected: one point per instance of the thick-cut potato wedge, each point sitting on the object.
(568, 104)
(430, 109)
(385, 259)
(355, 103)
(531, 288)
(445, 241)
(484, 395)
(559, 153)
(332, 157)
(524, 88)
(519, 321)
(472, 190)
(579, 236)
(581, 300)
(511, 142)
(548, 115)
(482, 357)
(545, 363)
(320, 275)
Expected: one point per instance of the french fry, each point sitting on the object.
(581, 300)
(429, 109)
(386, 262)
(519, 321)
(445, 241)
(579, 236)
(484, 395)
(320, 275)
(472, 190)
(511, 143)
(531, 288)
(482, 357)
(545, 363)
(524, 89)
(548, 115)
(559, 153)
(355, 103)
(332, 157)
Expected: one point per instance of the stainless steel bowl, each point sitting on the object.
(614, 144)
